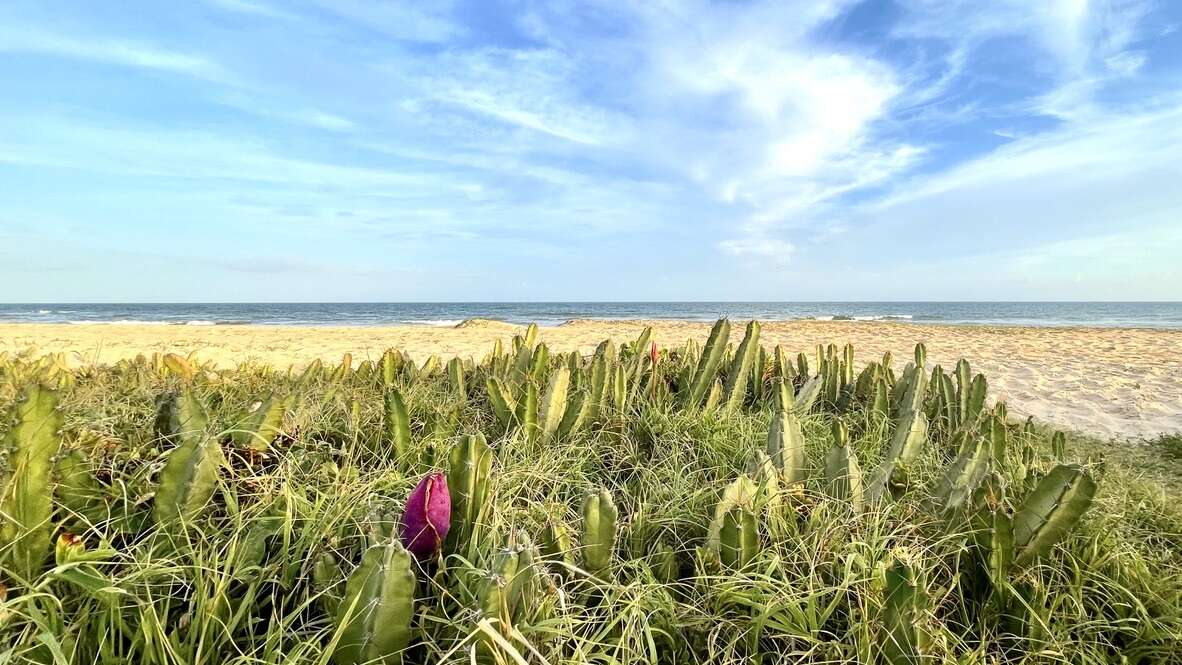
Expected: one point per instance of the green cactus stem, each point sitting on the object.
(469, 468)
(599, 531)
(735, 390)
(1050, 511)
(709, 362)
(27, 502)
(374, 617)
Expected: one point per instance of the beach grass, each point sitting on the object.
(257, 570)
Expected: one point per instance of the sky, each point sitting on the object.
(359, 150)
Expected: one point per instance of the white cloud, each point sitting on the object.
(69, 144)
(531, 89)
(771, 249)
(1085, 43)
(412, 22)
(24, 39)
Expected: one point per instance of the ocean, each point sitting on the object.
(1103, 314)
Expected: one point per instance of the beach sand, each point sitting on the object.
(1101, 381)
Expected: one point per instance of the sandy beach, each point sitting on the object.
(1102, 381)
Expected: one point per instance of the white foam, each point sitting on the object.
(434, 322)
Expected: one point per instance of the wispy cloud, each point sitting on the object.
(703, 141)
(126, 53)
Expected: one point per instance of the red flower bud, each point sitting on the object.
(428, 516)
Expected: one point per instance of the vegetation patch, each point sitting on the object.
(709, 503)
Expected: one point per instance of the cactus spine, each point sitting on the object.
(375, 615)
(27, 502)
(599, 531)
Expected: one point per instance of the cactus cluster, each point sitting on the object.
(269, 515)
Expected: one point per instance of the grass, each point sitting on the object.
(257, 574)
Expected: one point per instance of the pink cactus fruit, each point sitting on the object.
(428, 516)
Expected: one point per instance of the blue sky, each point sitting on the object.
(239, 150)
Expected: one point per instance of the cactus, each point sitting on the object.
(766, 476)
(576, 414)
(663, 563)
(784, 395)
(714, 398)
(807, 395)
(258, 429)
(709, 362)
(539, 361)
(843, 477)
(508, 592)
(469, 467)
(397, 422)
(431, 366)
(527, 411)
(902, 640)
(27, 502)
(976, 399)
(310, 374)
(738, 538)
(619, 389)
(556, 545)
(881, 406)
(326, 578)
(963, 476)
(785, 445)
(1059, 446)
(455, 377)
(911, 432)
(743, 493)
(374, 616)
(503, 403)
(179, 417)
(599, 531)
(1055, 506)
(391, 363)
(735, 390)
(190, 476)
(597, 398)
(77, 490)
(554, 402)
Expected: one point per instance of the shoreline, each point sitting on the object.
(1111, 382)
(445, 324)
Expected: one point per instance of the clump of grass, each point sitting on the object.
(1170, 446)
(257, 575)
